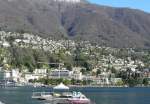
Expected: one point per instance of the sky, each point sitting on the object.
(135, 4)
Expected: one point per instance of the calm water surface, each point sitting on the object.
(22, 95)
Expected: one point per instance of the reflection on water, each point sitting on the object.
(22, 95)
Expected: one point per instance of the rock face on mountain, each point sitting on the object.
(77, 19)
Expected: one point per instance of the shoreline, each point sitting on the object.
(88, 86)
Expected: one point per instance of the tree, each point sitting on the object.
(66, 82)
(40, 56)
(145, 81)
(73, 81)
(98, 72)
(132, 82)
(22, 57)
(84, 82)
(88, 66)
(120, 83)
(113, 70)
(68, 66)
(68, 63)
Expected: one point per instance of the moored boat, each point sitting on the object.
(78, 98)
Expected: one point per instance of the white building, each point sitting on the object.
(88, 77)
(77, 75)
(60, 73)
(40, 71)
(103, 79)
(30, 76)
(13, 74)
(7, 74)
(5, 44)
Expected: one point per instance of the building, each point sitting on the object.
(60, 73)
(103, 78)
(88, 77)
(77, 75)
(40, 71)
(7, 74)
(15, 75)
(11, 75)
(5, 44)
(30, 76)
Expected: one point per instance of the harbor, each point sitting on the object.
(64, 96)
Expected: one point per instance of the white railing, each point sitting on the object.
(39, 94)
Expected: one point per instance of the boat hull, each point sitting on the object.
(79, 101)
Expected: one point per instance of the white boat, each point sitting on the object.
(78, 98)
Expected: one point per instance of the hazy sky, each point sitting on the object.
(137, 4)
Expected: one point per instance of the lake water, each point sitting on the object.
(22, 95)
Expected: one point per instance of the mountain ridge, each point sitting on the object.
(115, 27)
